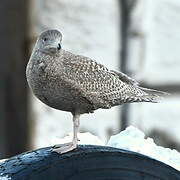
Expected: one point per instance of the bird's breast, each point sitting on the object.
(48, 85)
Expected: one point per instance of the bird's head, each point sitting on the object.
(49, 42)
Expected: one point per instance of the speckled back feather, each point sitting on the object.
(104, 87)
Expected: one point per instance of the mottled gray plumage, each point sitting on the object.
(76, 83)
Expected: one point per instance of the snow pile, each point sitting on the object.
(2, 160)
(134, 140)
(4, 177)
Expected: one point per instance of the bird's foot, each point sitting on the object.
(60, 145)
(63, 148)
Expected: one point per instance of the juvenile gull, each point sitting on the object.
(78, 84)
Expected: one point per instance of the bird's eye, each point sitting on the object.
(45, 39)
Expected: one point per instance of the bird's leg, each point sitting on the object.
(72, 145)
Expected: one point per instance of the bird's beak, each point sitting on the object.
(59, 46)
(53, 48)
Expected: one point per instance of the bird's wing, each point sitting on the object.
(103, 87)
(94, 81)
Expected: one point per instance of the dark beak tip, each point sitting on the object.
(59, 46)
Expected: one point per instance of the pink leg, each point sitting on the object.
(72, 145)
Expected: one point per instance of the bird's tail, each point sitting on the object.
(151, 95)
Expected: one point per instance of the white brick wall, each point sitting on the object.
(164, 116)
(154, 55)
(155, 60)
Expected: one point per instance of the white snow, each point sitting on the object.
(2, 160)
(134, 140)
(4, 177)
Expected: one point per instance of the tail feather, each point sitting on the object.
(141, 94)
(153, 91)
(152, 95)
